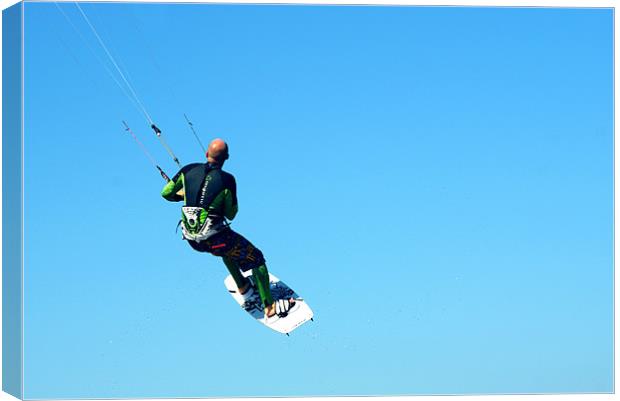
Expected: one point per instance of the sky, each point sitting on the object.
(435, 182)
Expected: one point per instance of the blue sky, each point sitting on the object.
(436, 182)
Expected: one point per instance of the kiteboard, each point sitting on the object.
(299, 313)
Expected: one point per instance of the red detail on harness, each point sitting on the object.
(218, 246)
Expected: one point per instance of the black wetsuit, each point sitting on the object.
(209, 187)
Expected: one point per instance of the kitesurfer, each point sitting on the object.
(210, 196)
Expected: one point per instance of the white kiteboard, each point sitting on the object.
(299, 314)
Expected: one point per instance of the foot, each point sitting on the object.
(279, 307)
(245, 288)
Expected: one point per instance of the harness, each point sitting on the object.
(197, 225)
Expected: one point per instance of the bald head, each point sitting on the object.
(217, 152)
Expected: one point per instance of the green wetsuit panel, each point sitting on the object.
(171, 188)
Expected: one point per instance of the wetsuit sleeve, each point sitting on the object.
(231, 207)
(172, 187)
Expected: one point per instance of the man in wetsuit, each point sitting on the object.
(210, 196)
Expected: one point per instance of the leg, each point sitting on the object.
(242, 282)
(240, 254)
(261, 276)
